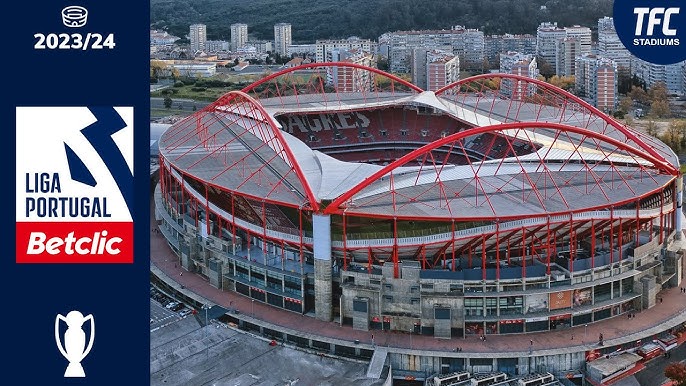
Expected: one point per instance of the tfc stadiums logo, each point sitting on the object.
(652, 30)
(74, 185)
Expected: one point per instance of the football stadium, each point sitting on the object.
(498, 204)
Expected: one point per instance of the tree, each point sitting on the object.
(493, 83)
(485, 66)
(659, 103)
(278, 59)
(158, 69)
(658, 92)
(382, 63)
(651, 129)
(636, 81)
(626, 104)
(676, 371)
(496, 64)
(623, 80)
(168, 102)
(673, 136)
(544, 68)
(563, 82)
(679, 125)
(659, 108)
(639, 95)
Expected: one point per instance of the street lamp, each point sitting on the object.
(252, 306)
(585, 330)
(206, 307)
(411, 332)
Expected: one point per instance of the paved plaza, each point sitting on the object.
(183, 352)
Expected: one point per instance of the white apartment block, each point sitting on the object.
(198, 37)
(161, 38)
(494, 45)
(609, 45)
(261, 46)
(239, 35)
(596, 81)
(470, 48)
(467, 44)
(606, 23)
(433, 68)
(517, 63)
(567, 51)
(673, 75)
(583, 35)
(349, 79)
(324, 47)
(282, 38)
(552, 46)
(547, 36)
(217, 46)
(194, 69)
(442, 69)
(300, 49)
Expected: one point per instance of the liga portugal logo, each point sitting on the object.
(74, 183)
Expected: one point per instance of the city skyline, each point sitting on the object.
(557, 49)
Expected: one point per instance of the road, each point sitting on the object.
(158, 103)
(252, 69)
(654, 373)
(159, 316)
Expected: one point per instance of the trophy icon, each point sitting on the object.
(74, 348)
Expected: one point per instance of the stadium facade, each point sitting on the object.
(469, 210)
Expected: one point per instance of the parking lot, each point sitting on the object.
(183, 352)
(165, 310)
(159, 316)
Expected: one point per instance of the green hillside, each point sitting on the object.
(323, 19)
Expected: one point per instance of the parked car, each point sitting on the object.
(178, 307)
(185, 311)
(171, 305)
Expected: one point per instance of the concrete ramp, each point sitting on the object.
(376, 364)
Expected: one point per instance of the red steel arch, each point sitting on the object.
(289, 153)
(177, 135)
(634, 136)
(395, 78)
(336, 205)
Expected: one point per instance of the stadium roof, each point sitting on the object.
(156, 131)
(581, 158)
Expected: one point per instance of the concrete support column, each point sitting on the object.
(612, 288)
(679, 195)
(321, 232)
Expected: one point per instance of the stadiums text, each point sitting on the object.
(656, 42)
